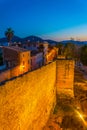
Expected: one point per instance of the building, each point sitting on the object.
(36, 59)
(38, 53)
(52, 54)
(16, 56)
(45, 51)
(30, 45)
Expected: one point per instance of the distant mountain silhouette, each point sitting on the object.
(18, 39)
(38, 39)
(2, 40)
(74, 42)
(14, 39)
(51, 42)
(33, 39)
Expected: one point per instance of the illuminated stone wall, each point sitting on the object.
(26, 102)
(10, 73)
(65, 76)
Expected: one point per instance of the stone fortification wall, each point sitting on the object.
(10, 73)
(65, 76)
(26, 102)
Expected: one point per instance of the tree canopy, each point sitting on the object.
(9, 33)
(83, 55)
(69, 50)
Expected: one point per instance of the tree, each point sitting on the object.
(60, 46)
(83, 54)
(9, 33)
(69, 50)
(41, 48)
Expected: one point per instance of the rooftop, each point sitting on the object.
(15, 48)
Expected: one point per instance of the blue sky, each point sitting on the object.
(55, 19)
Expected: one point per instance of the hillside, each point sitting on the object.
(38, 39)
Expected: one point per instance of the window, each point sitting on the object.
(23, 62)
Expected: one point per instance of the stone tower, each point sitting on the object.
(65, 76)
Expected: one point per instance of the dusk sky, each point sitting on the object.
(49, 19)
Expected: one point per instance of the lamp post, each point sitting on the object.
(81, 116)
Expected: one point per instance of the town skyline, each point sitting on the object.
(57, 20)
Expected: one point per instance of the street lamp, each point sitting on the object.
(22, 68)
(81, 117)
